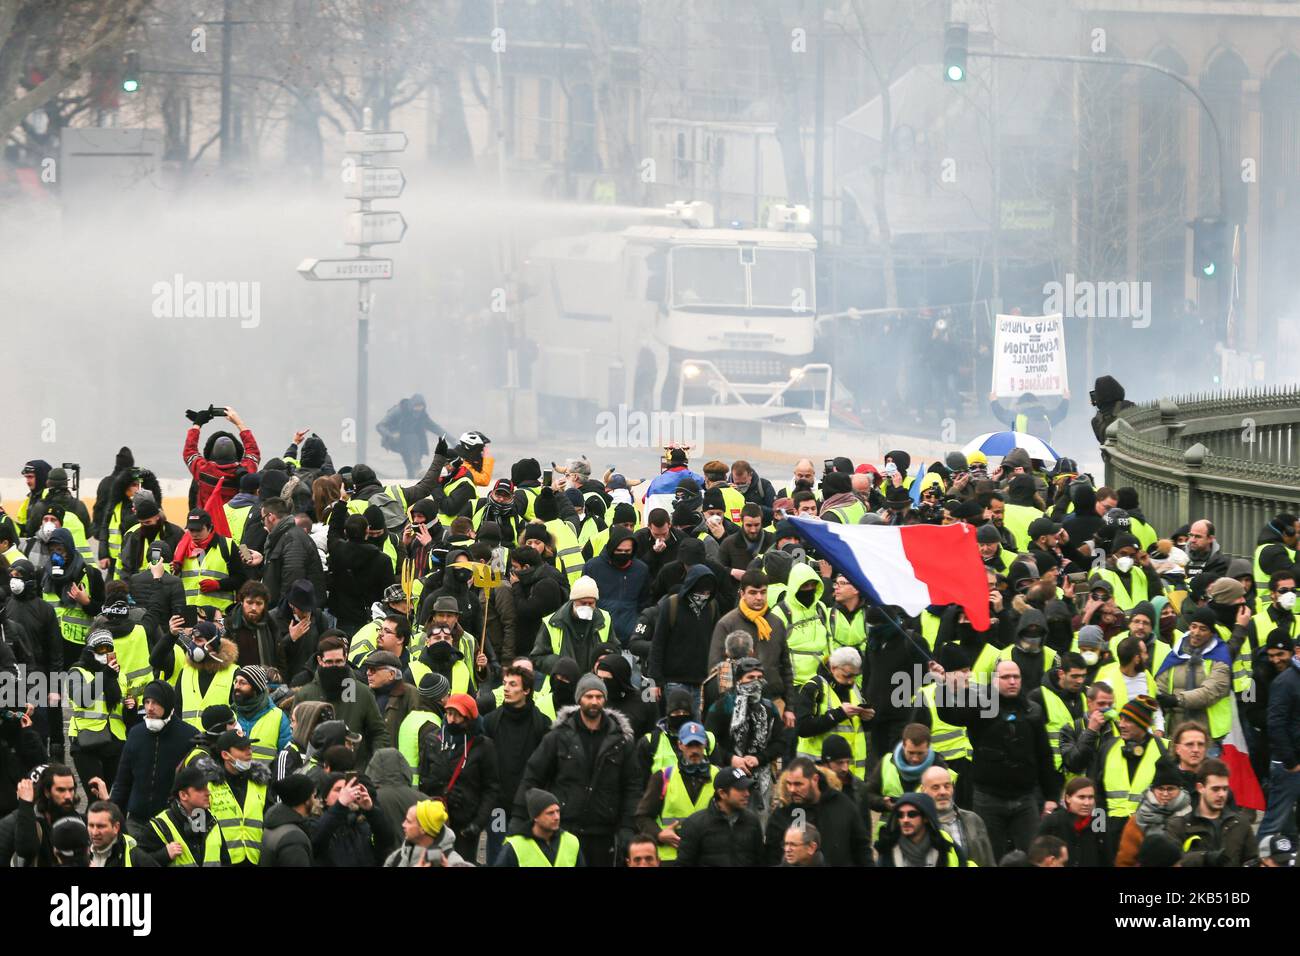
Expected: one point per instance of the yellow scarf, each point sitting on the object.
(758, 619)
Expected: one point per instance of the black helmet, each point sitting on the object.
(1116, 518)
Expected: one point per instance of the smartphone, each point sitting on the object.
(828, 465)
(1077, 577)
(547, 477)
(190, 615)
(245, 551)
(155, 555)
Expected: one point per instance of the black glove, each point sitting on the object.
(442, 450)
(201, 417)
(1167, 701)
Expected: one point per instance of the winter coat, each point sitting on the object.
(773, 654)
(402, 698)
(537, 596)
(710, 839)
(38, 619)
(580, 640)
(408, 854)
(475, 794)
(718, 722)
(735, 553)
(623, 593)
(358, 574)
(291, 556)
(888, 843)
(392, 777)
(845, 841)
(343, 837)
(1088, 847)
(194, 837)
(207, 473)
(679, 652)
(286, 838)
(1231, 844)
(655, 560)
(297, 659)
(256, 642)
(148, 765)
(1284, 717)
(597, 786)
(502, 625)
(516, 735)
(361, 714)
(1011, 755)
(21, 750)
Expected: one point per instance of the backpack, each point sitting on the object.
(394, 513)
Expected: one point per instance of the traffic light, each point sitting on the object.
(1209, 248)
(131, 72)
(955, 41)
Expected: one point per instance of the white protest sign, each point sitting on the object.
(1029, 356)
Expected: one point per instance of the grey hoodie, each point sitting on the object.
(391, 775)
(408, 854)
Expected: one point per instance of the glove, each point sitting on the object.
(1167, 701)
(208, 585)
(442, 451)
(147, 475)
(201, 417)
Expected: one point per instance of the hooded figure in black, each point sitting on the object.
(105, 498)
(684, 626)
(1031, 632)
(1082, 525)
(39, 469)
(934, 848)
(623, 696)
(58, 493)
(689, 553)
(402, 430)
(1107, 396)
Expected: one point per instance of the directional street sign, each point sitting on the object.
(336, 269)
(359, 142)
(376, 182)
(372, 228)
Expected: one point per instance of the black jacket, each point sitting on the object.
(21, 750)
(1284, 717)
(1088, 847)
(287, 838)
(845, 841)
(537, 596)
(290, 557)
(40, 621)
(516, 735)
(358, 574)
(343, 837)
(597, 782)
(1011, 755)
(471, 800)
(148, 766)
(194, 838)
(679, 652)
(735, 553)
(709, 839)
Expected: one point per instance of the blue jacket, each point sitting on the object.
(623, 593)
(246, 725)
(666, 482)
(144, 775)
(1284, 717)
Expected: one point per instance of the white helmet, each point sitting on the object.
(473, 440)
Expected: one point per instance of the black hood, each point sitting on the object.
(617, 535)
(312, 454)
(1107, 391)
(42, 470)
(212, 440)
(125, 459)
(526, 469)
(695, 574)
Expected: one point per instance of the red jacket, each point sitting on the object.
(207, 473)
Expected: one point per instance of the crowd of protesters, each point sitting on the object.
(524, 668)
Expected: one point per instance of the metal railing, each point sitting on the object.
(1231, 457)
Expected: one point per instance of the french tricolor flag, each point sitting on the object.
(910, 567)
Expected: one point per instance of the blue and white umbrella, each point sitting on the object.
(998, 444)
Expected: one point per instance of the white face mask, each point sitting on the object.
(101, 658)
(583, 612)
(243, 766)
(1124, 564)
(18, 585)
(155, 724)
(46, 529)
(1090, 657)
(1286, 601)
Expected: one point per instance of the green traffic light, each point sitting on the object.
(1208, 269)
(130, 86)
(956, 74)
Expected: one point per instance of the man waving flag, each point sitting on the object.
(911, 567)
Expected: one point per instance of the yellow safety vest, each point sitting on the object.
(602, 622)
(850, 513)
(1016, 519)
(363, 642)
(542, 698)
(891, 781)
(210, 566)
(732, 503)
(241, 827)
(74, 622)
(1159, 649)
(446, 520)
(665, 756)
(930, 628)
(92, 722)
(807, 639)
(115, 532)
(1058, 716)
(527, 853)
(568, 552)
(850, 729)
(463, 680)
(408, 739)
(1124, 598)
(237, 519)
(134, 670)
(1122, 794)
(1145, 534)
(195, 701)
(211, 844)
(1113, 677)
(73, 523)
(1261, 576)
(678, 804)
(265, 735)
(948, 740)
(1219, 713)
(844, 631)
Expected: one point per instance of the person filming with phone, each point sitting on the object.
(225, 458)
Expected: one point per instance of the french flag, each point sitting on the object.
(910, 567)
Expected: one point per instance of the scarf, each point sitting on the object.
(911, 773)
(255, 706)
(750, 721)
(950, 823)
(916, 854)
(758, 619)
(1151, 813)
(1215, 650)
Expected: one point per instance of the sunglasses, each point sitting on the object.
(911, 815)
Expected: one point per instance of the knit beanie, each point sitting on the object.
(537, 800)
(431, 815)
(589, 682)
(1141, 710)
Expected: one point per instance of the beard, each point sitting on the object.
(591, 713)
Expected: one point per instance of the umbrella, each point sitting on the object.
(999, 443)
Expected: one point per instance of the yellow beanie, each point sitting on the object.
(432, 814)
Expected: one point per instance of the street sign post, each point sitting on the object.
(334, 270)
(374, 228)
(363, 228)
